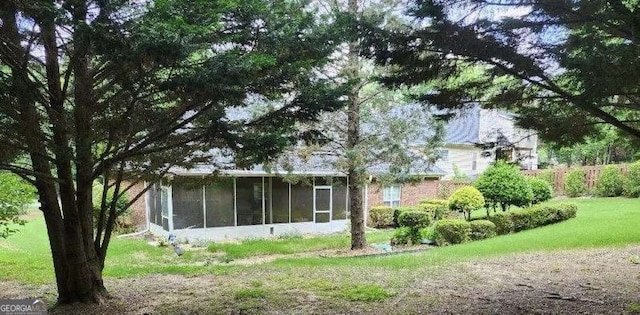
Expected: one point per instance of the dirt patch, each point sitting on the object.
(595, 281)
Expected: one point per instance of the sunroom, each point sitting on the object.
(243, 206)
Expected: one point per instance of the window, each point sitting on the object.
(444, 155)
(187, 204)
(249, 201)
(220, 203)
(391, 196)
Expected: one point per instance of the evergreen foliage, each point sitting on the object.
(503, 185)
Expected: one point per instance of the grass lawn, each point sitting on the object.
(293, 245)
(601, 222)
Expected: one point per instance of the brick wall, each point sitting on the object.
(410, 194)
(138, 208)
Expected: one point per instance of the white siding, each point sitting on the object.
(462, 157)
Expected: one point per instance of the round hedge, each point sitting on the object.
(466, 199)
(541, 189)
(610, 183)
(503, 184)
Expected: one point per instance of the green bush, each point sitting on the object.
(610, 183)
(574, 183)
(414, 220)
(504, 185)
(632, 184)
(428, 233)
(381, 216)
(397, 211)
(481, 229)
(439, 208)
(466, 199)
(451, 231)
(541, 189)
(15, 195)
(401, 236)
(503, 222)
(541, 215)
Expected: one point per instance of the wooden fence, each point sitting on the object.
(559, 174)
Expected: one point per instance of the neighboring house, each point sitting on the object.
(467, 133)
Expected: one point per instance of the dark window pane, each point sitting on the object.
(154, 205)
(165, 224)
(323, 181)
(301, 203)
(279, 201)
(187, 204)
(339, 199)
(219, 203)
(249, 200)
(322, 217)
(323, 199)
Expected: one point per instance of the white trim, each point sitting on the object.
(264, 204)
(170, 207)
(289, 184)
(204, 206)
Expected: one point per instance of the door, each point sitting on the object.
(322, 205)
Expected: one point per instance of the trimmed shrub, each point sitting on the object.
(451, 231)
(504, 185)
(397, 211)
(574, 183)
(401, 236)
(503, 223)
(541, 215)
(381, 216)
(481, 229)
(414, 220)
(439, 208)
(541, 189)
(610, 183)
(428, 233)
(466, 199)
(632, 184)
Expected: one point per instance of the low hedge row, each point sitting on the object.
(458, 231)
(532, 217)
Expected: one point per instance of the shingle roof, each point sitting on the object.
(315, 165)
(464, 128)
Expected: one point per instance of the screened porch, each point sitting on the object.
(241, 207)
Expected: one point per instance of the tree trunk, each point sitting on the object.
(78, 274)
(355, 173)
(358, 240)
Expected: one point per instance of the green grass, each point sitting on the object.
(600, 222)
(292, 245)
(364, 293)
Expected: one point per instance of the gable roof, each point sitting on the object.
(464, 127)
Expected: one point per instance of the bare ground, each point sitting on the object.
(594, 281)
